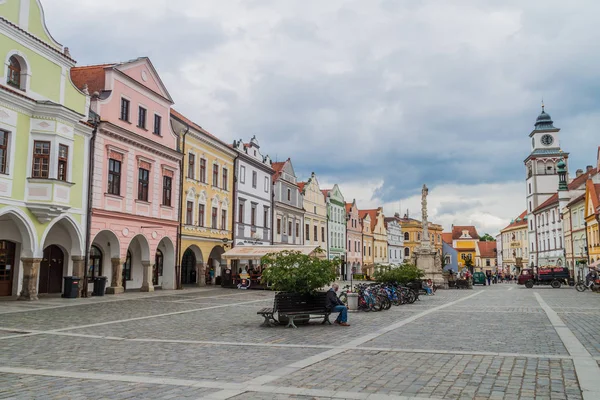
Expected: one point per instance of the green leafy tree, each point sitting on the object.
(294, 272)
(487, 238)
(403, 274)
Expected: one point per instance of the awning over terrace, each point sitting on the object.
(258, 252)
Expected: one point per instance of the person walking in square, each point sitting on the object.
(336, 305)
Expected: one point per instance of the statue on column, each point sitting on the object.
(425, 235)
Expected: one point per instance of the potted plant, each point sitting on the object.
(292, 273)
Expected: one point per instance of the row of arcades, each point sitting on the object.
(145, 260)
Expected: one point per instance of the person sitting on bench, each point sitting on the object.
(336, 305)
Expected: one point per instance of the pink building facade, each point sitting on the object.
(135, 200)
(354, 258)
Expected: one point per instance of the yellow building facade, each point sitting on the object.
(464, 241)
(592, 216)
(379, 232)
(515, 245)
(368, 266)
(207, 202)
(412, 230)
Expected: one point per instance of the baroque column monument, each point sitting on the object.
(425, 256)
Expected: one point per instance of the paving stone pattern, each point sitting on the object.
(441, 375)
(158, 346)
(493, 332)
(182, 361)
(43, 387)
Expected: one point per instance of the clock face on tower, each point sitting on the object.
(547, 140)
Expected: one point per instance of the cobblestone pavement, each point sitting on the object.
(498, 342)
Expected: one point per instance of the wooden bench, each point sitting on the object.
(294, 307)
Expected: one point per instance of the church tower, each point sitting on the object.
(542, 171)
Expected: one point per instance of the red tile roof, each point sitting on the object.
(447, 237)
(325, 192)
(301, 186)
(372, 214)
(575, 183)
(593, 189)
(93, 75)
(278, 168)
(348, 207)
(192, 124)
(487, 249)
(458, 230)
(519, 221)
(551, 201)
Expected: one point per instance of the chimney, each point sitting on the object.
(578, 173)
(588, 168)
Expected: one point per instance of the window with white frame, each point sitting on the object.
(4, 136)
(242, 174)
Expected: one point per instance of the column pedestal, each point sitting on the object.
(147, 285)
(78, 271)
(31, 268)
(200, 271)
(116, 282)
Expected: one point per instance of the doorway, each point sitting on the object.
(188, 268)
(157, 268)
(51, 270)
(7, 267)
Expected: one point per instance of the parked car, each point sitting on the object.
(479, 278)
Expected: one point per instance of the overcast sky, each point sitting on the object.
(379, 96)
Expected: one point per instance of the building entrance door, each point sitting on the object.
(51, 270)
(188, 268)
(7, 267)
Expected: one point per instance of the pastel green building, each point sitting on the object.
(44, 143)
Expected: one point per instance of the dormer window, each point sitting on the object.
(14, 72)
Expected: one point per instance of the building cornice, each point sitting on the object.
(135, 140)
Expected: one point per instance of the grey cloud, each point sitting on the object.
(402, 92)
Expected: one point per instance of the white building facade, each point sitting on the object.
(288, 205)
(336, 226)
(395, 241)
(253, 195)
(541, 184)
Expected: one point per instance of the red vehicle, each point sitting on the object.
(526, 274)
(554, 276)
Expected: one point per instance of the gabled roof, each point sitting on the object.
(593, 191)
(457, 231)
(301, 186)
(348, 207)
(486, 249)
(372, 214)
(278, 168)
(576, 200)
(325, 192)
(92, 75)
(447, 237)
(177, 115)
(519, 221)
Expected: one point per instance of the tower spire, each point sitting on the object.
(542, 104)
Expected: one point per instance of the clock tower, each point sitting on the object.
(541, 172)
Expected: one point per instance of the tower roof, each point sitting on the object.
(544, 121)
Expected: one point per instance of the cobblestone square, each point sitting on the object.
(499, 342)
